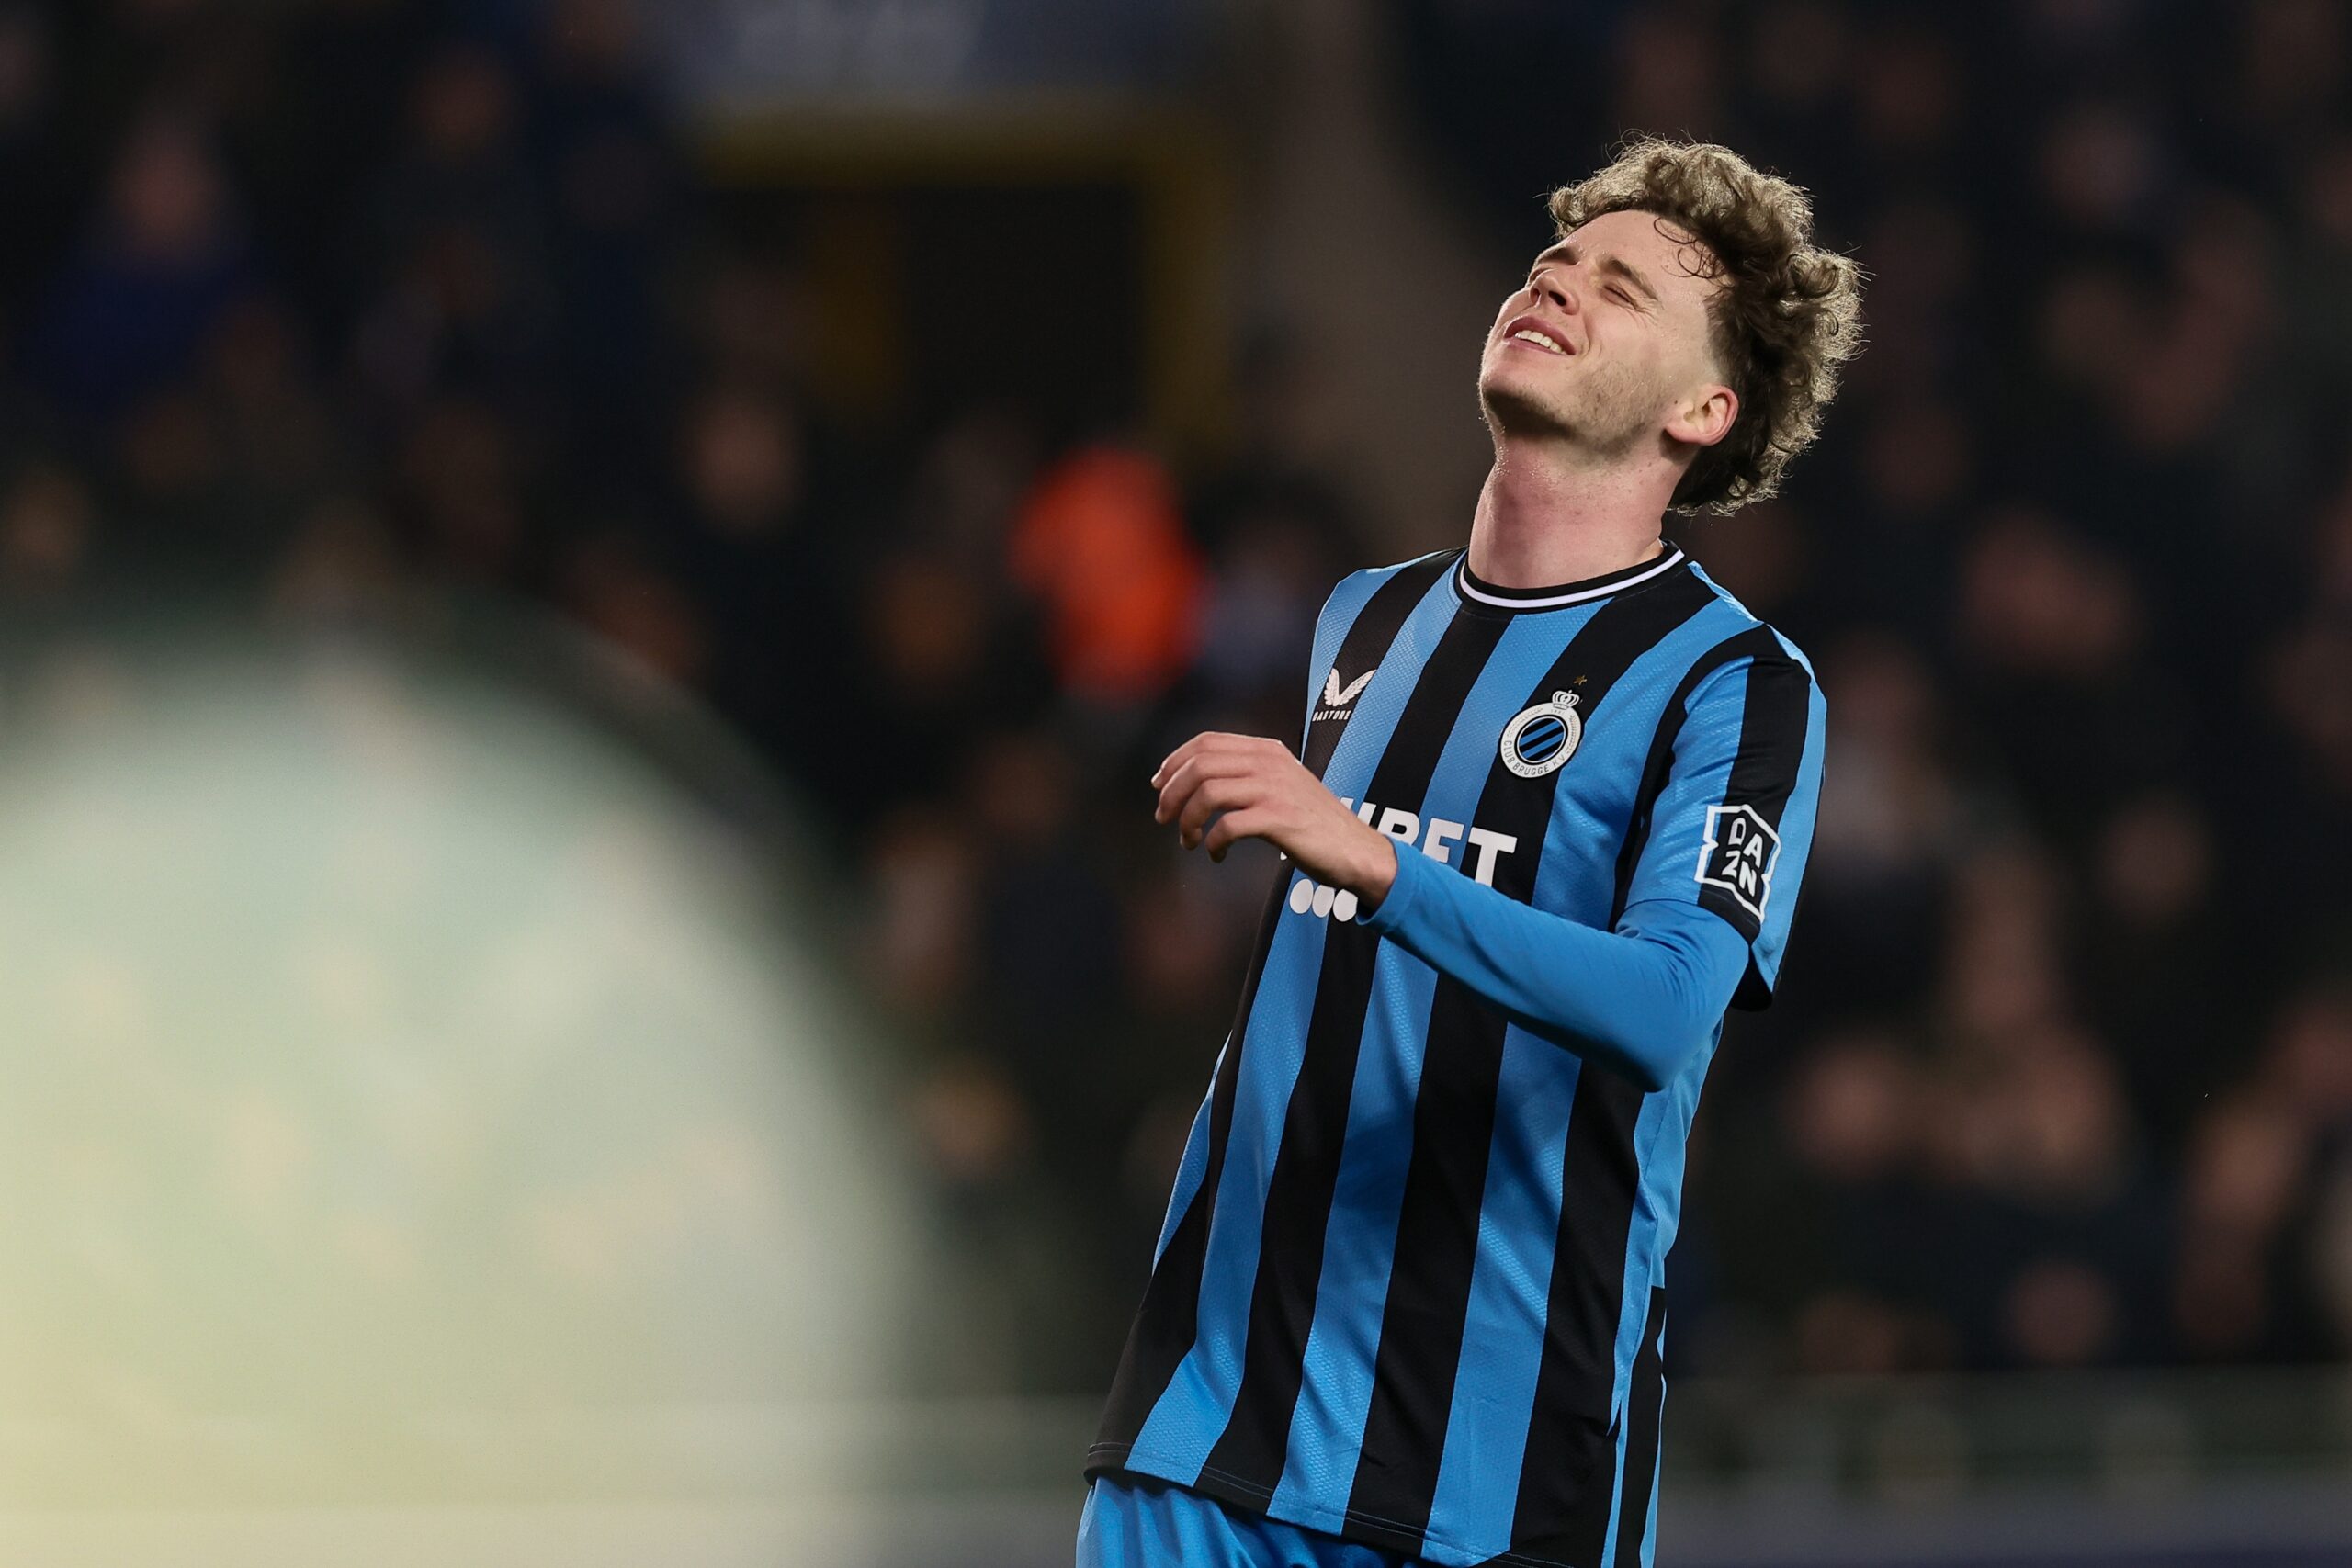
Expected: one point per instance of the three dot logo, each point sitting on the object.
(1335, 904)
(1543, 738)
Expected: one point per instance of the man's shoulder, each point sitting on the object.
(1353, 592)
(1366, 579)
(1739, 636)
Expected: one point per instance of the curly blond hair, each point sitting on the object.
(1786, 320)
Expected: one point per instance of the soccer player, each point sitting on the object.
(1553, 800)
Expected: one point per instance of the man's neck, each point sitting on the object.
(1544, 520)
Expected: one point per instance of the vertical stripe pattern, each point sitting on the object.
(1746, 645)
(1644, 1409)
(1409, 1286)
(1166, 1325)
(1298, 1202)
(1764, 770)
(1454, 1115)
(1561, 1516)
(1188, 1417)
(1335, 1394)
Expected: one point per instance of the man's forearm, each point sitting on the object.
(1642, 998)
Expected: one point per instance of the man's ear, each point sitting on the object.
(1706, 418)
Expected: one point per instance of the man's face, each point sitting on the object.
(1623, 300)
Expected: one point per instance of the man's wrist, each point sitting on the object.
(1376, 874)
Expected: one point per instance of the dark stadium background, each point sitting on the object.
(588, 591)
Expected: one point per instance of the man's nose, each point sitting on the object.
(1555, 285)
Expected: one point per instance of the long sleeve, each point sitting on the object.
(1730, 829)
(1722, 835)
(1641, 998)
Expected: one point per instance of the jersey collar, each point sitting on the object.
(1516, 599)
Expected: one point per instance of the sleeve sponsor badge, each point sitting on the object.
(1740, 852)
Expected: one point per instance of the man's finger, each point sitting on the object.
(1216, 794)
(1175, 784)
(1192, 774)
(1233, 826)
(1174, 760)
(1207, 742)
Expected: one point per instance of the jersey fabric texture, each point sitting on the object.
(1409, 1288)
(1146, 1524)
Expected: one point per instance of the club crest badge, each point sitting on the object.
(1543, 738)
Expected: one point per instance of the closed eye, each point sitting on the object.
(1614, 293)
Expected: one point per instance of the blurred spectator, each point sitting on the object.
(1890, 825)
(46, 523)
(1100, 543)
(340, 568)
(607, 164)
(162, 261)
(2155, 957)
(458, 242)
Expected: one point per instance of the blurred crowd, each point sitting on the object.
(335, 310)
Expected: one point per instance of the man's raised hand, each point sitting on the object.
(1218, 788)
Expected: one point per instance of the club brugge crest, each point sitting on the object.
(1541, 739)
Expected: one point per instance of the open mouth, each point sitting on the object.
(1530, 331)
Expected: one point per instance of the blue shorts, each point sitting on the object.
(1134, 1522)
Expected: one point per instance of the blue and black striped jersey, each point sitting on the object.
(1409, 1290)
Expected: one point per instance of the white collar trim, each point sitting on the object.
(1659, 568)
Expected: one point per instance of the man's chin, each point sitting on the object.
(1516, 410)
